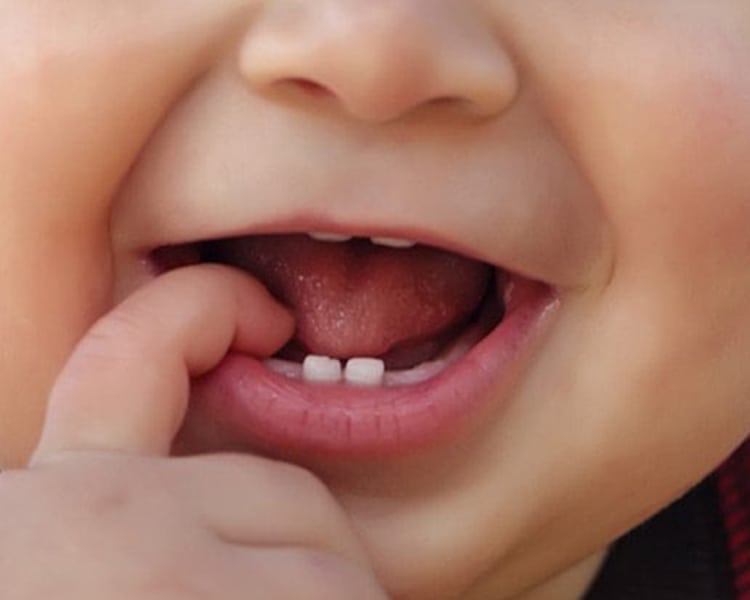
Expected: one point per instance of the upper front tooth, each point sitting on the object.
(364, 371)
(393, 242)
(321, 369)
(324, 236)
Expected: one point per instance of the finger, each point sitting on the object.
(126, 385)
(248, 500)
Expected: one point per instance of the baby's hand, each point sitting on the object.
(102, 513)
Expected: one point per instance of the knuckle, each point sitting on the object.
(90, 487)
(121, 325)
(100, 488)
(101, 510)
(123, 336)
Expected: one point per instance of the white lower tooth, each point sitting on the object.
(364, 371)
(323, 236)
(321, 369)
(393, 242)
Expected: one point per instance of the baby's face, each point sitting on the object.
(598, 148)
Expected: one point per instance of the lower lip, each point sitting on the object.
(252, 406)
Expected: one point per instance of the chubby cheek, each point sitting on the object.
(675, 179)
(56, 280)
(666, 143)
(653, 102)
(68, 137)
(679, 201)
(655, 111)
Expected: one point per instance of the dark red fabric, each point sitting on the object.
(678, 554)
(734, 496)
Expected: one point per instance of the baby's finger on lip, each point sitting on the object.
(126, 385)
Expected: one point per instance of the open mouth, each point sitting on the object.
(387, 348)
(369, 311)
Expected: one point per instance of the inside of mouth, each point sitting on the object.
(356, 298)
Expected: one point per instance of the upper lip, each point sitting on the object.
(535, 225)
(290, 220)
(306, 226)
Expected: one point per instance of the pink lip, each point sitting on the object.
(252, 406)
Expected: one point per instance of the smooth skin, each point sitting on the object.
(598, 145)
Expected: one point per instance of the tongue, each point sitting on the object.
(359, 299)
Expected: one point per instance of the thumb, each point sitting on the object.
(126, 385)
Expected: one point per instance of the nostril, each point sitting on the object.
(446, 100)
(454, 103)
(308, 86)
(459, 106)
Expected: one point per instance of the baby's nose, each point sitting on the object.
(381, 59)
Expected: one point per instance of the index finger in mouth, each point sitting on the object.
(126, 385)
